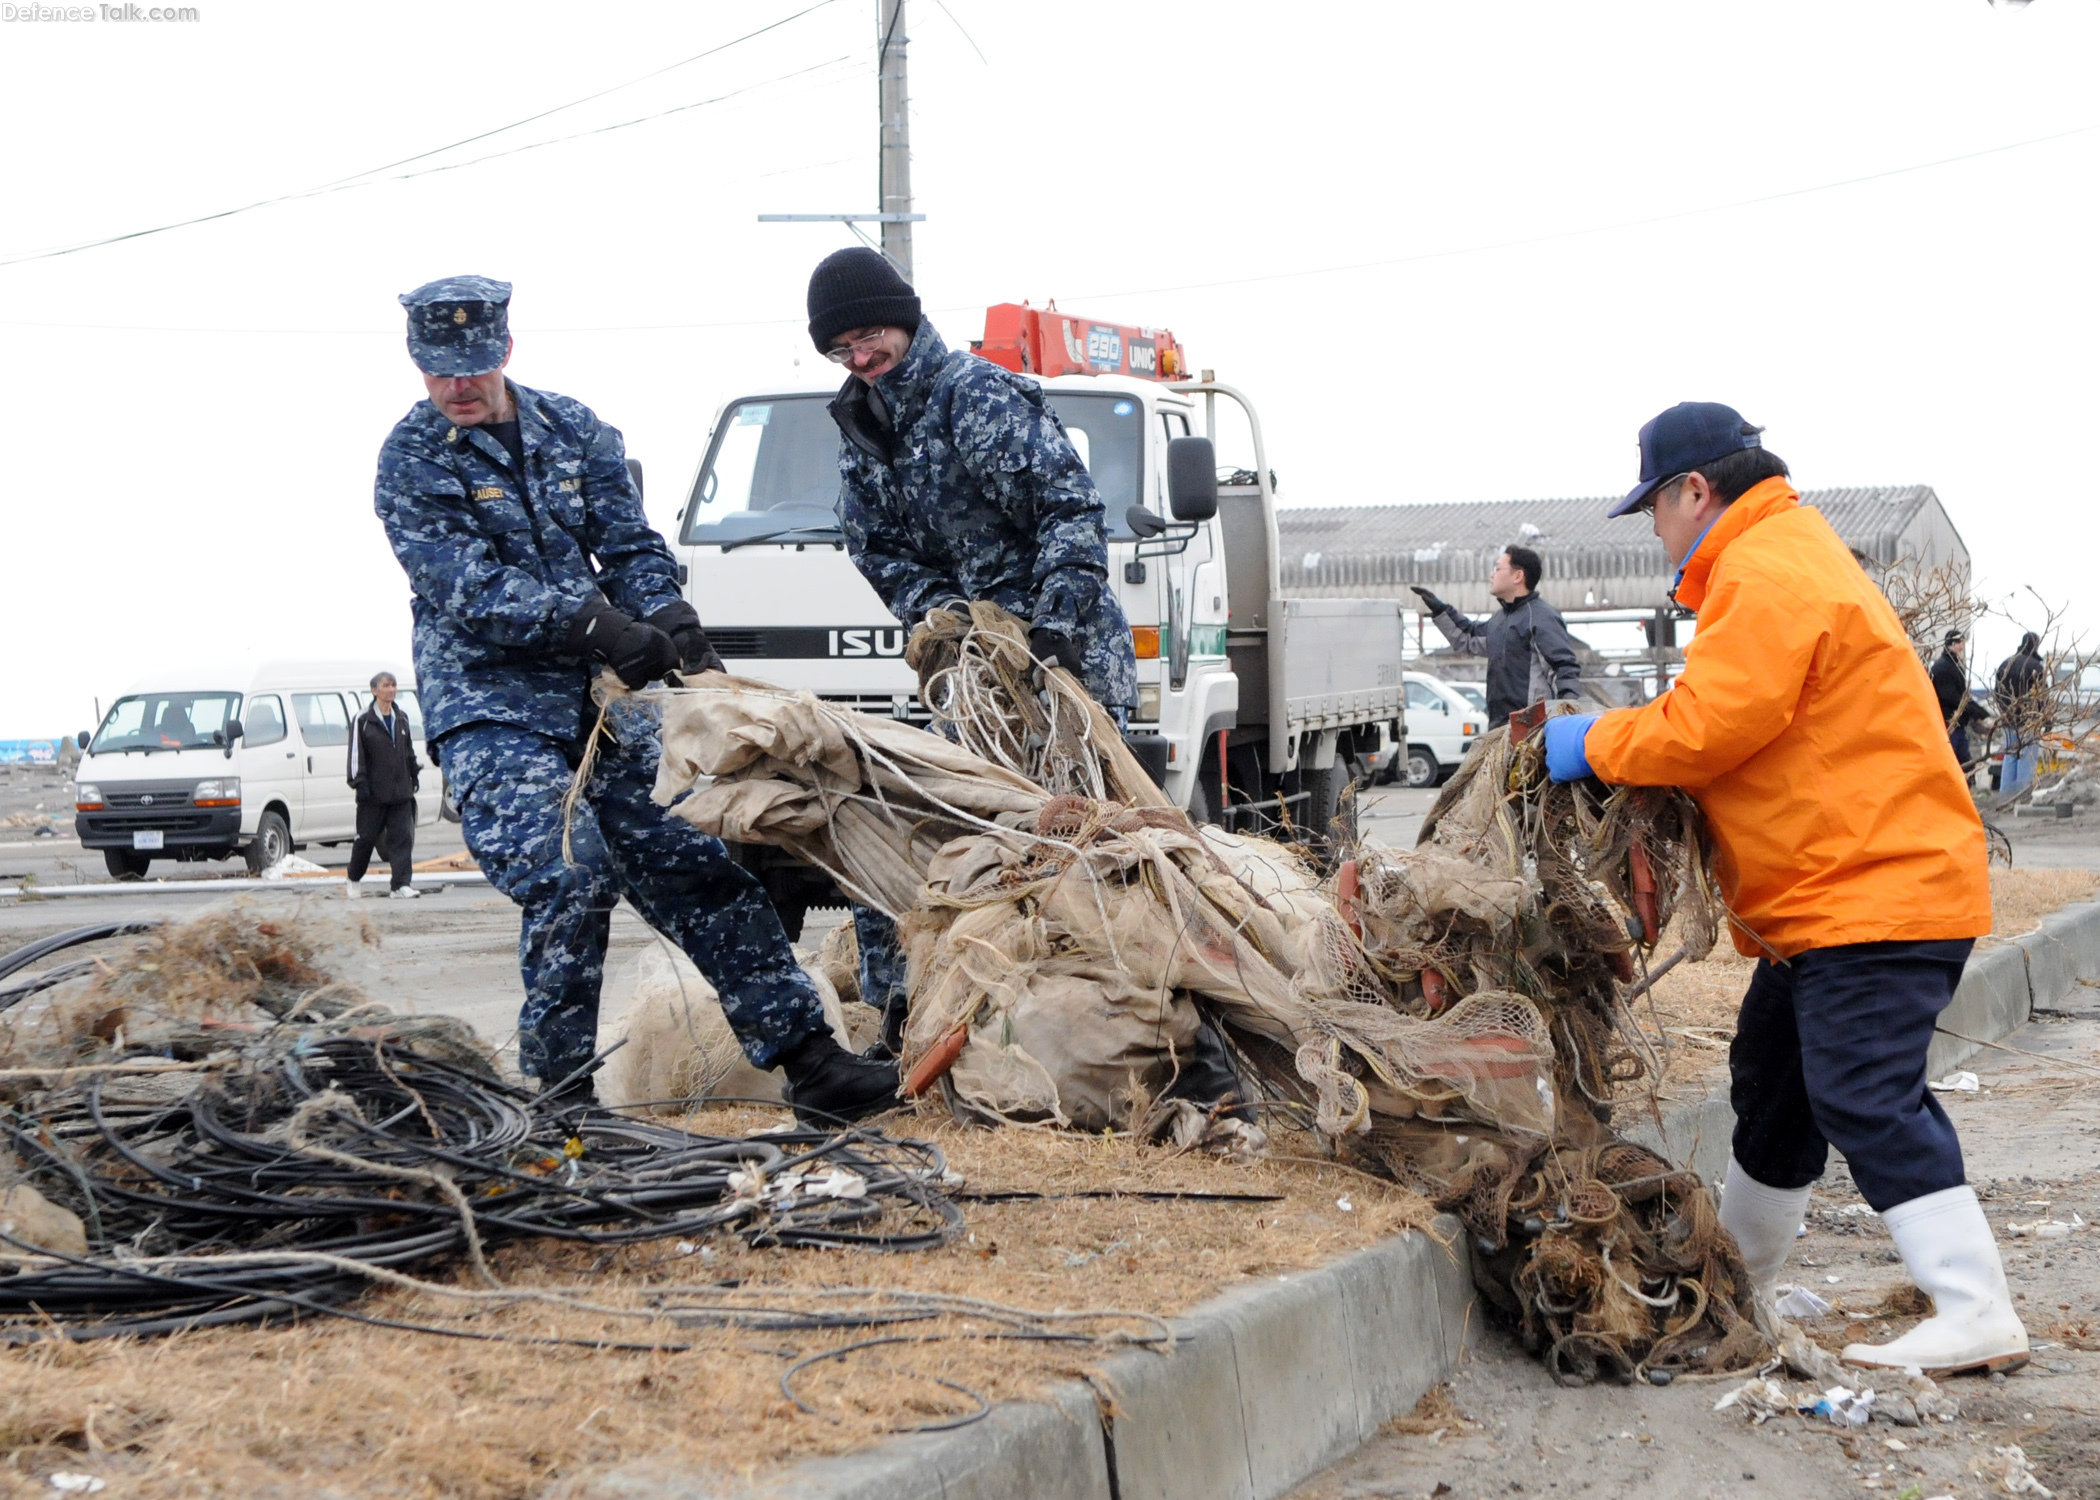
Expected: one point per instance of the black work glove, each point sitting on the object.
(1054, 648)
(1430, 601)
(636, 650)
(681, 622)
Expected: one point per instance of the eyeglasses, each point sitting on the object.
(838, 354)
(1647, 506)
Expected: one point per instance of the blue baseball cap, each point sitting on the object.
(1689, 434)
(459, 325)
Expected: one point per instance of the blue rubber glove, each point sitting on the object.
(1566, 760)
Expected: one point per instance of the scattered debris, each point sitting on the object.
(1798, 1302)
(1963, 1082)
(2045, 1229)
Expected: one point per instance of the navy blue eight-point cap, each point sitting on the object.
(459, 325)
(1688, 435)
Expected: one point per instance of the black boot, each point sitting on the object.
(1209, 1080)
(828, 1086)
(575, 1097)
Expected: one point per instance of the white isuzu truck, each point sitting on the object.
(1252, 707)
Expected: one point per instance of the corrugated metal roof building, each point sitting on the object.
(1376, 551)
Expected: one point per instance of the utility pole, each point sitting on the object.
(892, 152)
(895, 153)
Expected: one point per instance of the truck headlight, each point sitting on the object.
(87, 797)
(222, 791)
(1148, 703)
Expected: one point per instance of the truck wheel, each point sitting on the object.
(127, 864)
(1422, 769)
(1324, 805)
(273, 841)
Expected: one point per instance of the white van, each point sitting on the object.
(199, 765)
(1442, 724)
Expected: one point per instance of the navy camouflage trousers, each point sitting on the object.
(509, 784)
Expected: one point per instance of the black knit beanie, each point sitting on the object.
(858, 288)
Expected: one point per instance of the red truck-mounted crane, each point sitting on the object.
(1046, 342)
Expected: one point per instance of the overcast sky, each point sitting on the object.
(1453, 252)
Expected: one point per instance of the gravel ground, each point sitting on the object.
(2031, 1136)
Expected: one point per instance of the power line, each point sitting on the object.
(354, 178)
(1425, 255)
(1570, 234)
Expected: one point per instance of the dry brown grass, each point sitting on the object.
(1698, 1002)
(329, 1409)
(1437, 1412)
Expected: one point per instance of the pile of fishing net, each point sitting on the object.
(1454, 1016)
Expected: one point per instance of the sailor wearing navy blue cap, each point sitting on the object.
(532, 567)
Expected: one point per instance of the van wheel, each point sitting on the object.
(1422, 769)
(127, 864)
(273, 841)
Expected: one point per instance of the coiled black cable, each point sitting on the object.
(213, 1167)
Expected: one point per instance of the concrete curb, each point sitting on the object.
(1268, 1384)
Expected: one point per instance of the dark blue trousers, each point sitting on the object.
(1830, 1051)
(509, 784)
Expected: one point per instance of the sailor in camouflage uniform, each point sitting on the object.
(532, 566)
(958, 483)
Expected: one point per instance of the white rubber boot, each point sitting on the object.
(1765, 1222)
(350, 890)
(1948, 1249)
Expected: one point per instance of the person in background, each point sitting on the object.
(1851, 859)
(1531, 656)
(384, 770)
(2018, 690)
(1950, 683)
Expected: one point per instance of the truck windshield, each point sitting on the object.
(166, 721)
(774, 465)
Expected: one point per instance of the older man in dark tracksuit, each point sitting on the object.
(384, 771)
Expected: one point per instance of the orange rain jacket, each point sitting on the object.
(1806, 728)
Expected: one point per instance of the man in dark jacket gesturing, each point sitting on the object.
(384, 770)
(1530, 654)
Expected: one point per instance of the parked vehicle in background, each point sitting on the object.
(204, 764)
(1442, 725)
(1475, 693)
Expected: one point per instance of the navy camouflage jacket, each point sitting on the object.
(499, 563)
(971, 490)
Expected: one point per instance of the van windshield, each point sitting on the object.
(166, 721)
(773, 467)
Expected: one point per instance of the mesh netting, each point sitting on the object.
(1455, 1015)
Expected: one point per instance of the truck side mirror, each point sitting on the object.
(233, 730)
(1192, 478)
(81, 739)
(634, 472)
(1142, 522)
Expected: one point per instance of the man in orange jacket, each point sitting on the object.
(1851, 857)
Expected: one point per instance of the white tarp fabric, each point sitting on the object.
(1071, 938)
